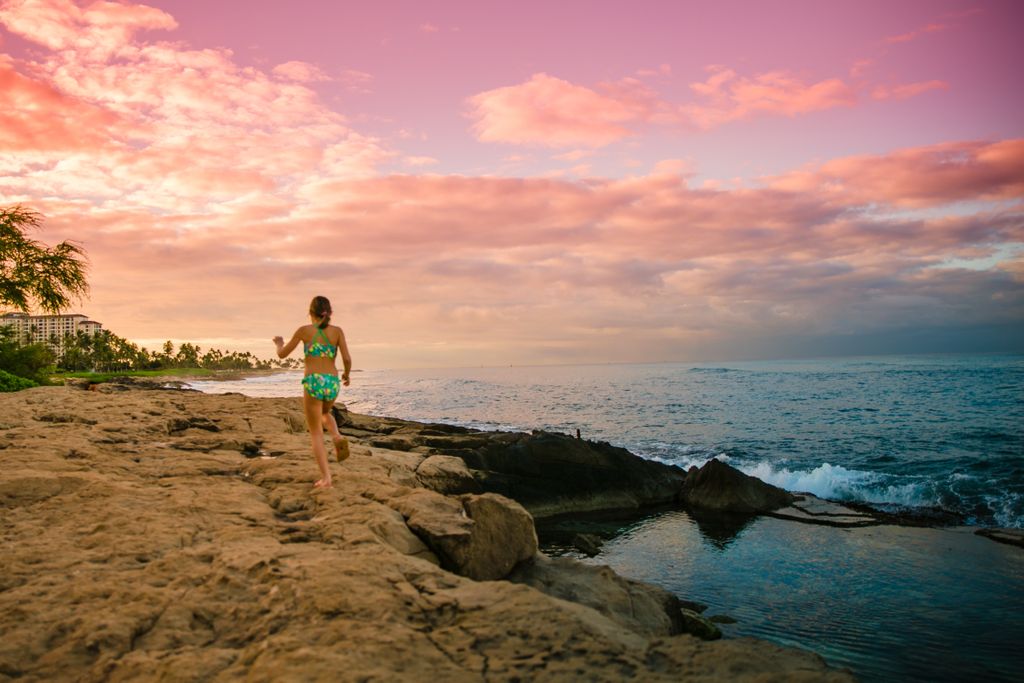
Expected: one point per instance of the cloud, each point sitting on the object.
(302, 72)
(907, 90)
(916, 33)
(34, 115)
(535, 268)
(918, 177)
(100, 30)
(549, 111)
(553, 112)
(417, 162)
(213, 198)
(356, 81)
(159, 125)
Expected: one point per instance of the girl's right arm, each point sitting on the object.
(346, 359)
(284, 349)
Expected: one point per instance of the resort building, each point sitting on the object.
(49, 329)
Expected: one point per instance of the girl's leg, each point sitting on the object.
(314, 421)
(340, 442)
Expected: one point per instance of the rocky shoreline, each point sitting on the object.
(174, 535)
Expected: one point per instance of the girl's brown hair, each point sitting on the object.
(320, 307)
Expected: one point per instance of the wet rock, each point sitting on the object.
(693, 606)
(553, 474)
(588, 544)
(810, 509)
(1008, 536)
(718, 486)
(721, 619)
(699, 626)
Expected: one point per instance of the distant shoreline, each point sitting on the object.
(171, 375)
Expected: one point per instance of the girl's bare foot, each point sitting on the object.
(323, 484)
(341, 449)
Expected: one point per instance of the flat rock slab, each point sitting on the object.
(1008, 536)
(813, 510)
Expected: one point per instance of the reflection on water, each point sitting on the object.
(721, 528)
(890, 603)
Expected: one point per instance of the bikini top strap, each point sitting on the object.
(323, 334)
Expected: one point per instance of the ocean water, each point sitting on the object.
(927, 431)
(889, 603)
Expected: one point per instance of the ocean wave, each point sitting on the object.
(715, 370)
(840, 483)
(835, 482)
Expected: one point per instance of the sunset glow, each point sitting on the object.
(492, 183)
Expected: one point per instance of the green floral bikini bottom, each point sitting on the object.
(322, 387)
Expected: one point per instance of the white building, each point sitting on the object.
(46, 328)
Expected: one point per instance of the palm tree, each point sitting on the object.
(31, 271)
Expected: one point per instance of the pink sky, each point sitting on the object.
(535, 182)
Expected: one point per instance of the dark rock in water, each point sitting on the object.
(1009, 536)
(696, 625)
(554, 474)
(641, 607)
(717, 486)
(909, 516)
(721, 619)
(693, 606)
(588, 544)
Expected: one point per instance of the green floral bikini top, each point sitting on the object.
(318, 350)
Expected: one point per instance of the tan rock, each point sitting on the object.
(640, 607)
(446, 474)
(126, 557)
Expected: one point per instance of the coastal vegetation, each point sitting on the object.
(104, 355)
(33, 275)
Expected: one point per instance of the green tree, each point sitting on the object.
(32, 361)
(32, 272)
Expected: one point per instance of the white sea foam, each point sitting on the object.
(840, 483)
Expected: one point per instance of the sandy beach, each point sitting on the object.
(174, 535)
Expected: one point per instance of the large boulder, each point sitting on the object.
(718, 486)
(553, 474)
(640, 607)
(479, 536)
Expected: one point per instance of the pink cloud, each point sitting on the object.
(911, 35)
(158, 124)
(530, 262)
(906, 91)
(356, 81)
(550, 111)
(193, 173)
(302, 72)
(923, 176)
(729, 97)
(553, 112)
(36, 116)
(99, 29)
